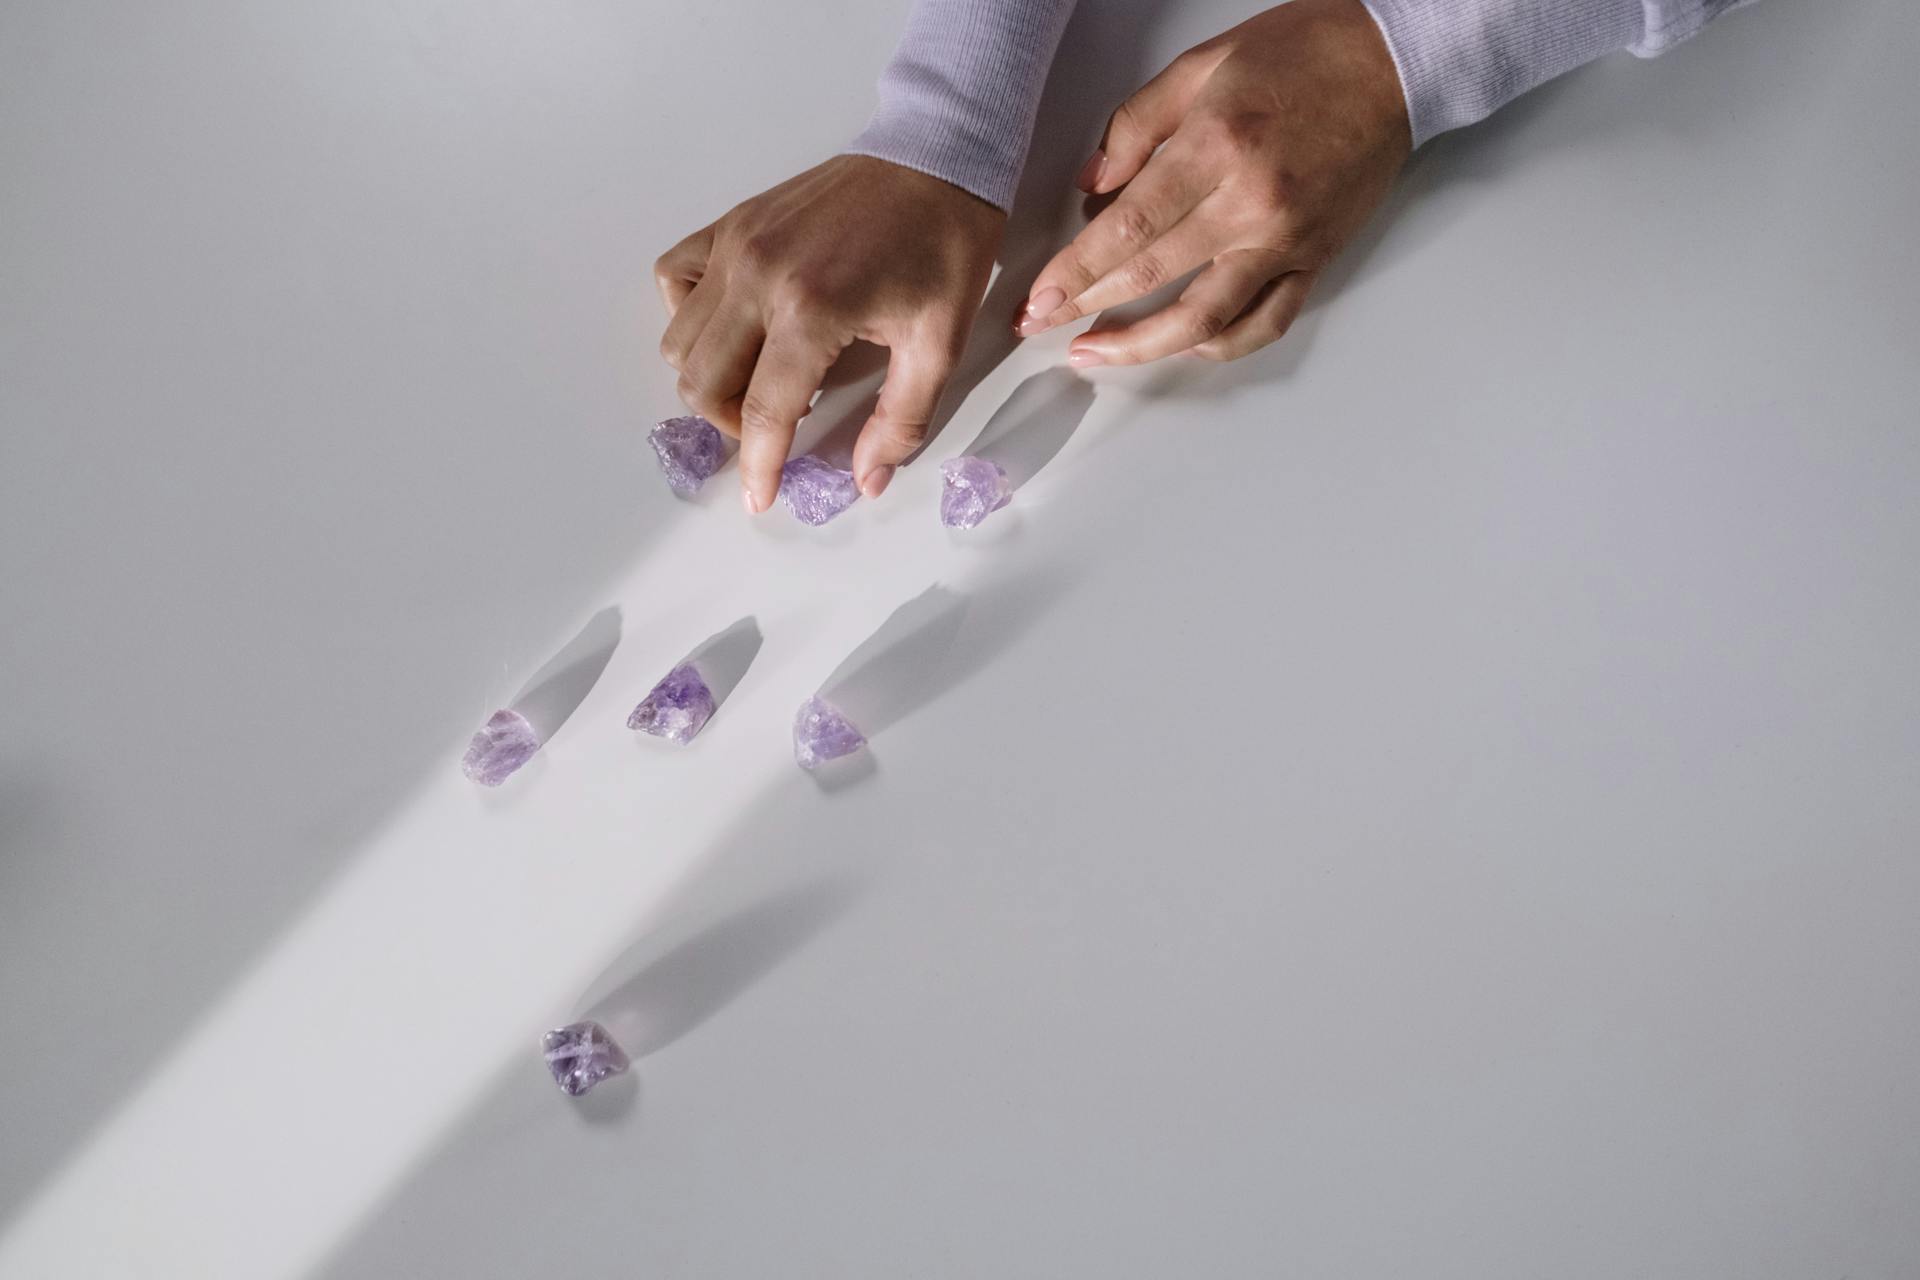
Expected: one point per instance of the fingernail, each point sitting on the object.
(751, 503)
(1085, 359)
(1090, 172)
(1045, 303)
(876, 482)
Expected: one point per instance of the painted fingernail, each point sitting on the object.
(1090, 172)
(876, 482)
(751, 503)
(1083, 359)
(1045, 303)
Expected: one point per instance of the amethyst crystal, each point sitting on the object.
(504, 743)
(690, 449)
(975, 488)
(816, 491)
(581, 1056)
(677, 709)
(821, 733)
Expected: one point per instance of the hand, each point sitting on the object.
(763, 302)
(1276, 141)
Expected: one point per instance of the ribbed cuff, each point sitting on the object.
(960, 97)
(1461, 60)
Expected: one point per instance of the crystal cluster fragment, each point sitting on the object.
(581, 1056)
(816, 491)
(505, 742)
(677, 708)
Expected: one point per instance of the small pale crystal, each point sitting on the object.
(677, 708)
(974, 489)
(691, 449)
(816, 491)
(821, 733)
(505, 742)
(581, 1056)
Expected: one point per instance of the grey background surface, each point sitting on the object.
(1438, 799)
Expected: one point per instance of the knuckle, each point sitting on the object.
(1206, 323)
(905, 433)
(757, 417)
(1143, 274)
(757, 250)
(692, 394)
(1274, 191)
(670, 351)
(1241, 130)
(1133, 226)
(1125, 122)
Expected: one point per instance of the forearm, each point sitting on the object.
(959, 99)
(1460, 60)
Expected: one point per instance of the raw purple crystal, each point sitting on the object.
(581, 1056)
(975, 488)
(677, 709)
(690, 449)
(816, 491)
(504, 743)
(821, 733)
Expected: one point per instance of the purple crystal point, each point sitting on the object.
(816, 491)
(504, 743)
(677, 709)
(581, 1056)
(821, 733)
(690, 449)
(975, 488)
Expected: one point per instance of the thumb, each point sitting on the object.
(1147, 119)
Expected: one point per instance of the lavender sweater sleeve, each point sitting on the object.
(959, 99)
(1461, 60)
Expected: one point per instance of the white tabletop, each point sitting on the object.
(1440, 798)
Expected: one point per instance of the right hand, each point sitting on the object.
(762, 302)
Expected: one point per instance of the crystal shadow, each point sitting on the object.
(725, 656)
(897, 668)
(556, 690)
(669, 996)
(1033, 426)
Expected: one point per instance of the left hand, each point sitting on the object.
(1274, 141)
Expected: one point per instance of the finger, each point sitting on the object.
(1196, 239)
(680, 268)
(718, 369)
(1266, 320)
(1210, 305)
(687, 323)
(1145, 211)
(1144, 121)
(917, 372)
(789, 371)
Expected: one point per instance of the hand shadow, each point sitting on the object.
(557, 689)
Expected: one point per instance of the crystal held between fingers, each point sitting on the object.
(677, 708)
(581, 1055)
(816, 491)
